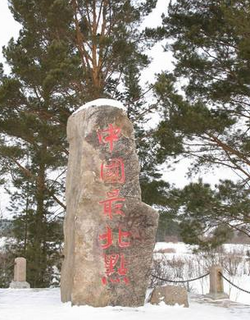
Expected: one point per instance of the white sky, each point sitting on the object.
(162, 60)
(8, 26)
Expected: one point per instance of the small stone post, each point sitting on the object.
(19, 281)
(216, 284)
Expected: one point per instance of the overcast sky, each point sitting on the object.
(8, 26)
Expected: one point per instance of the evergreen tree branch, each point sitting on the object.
(29, 174)
(227, 148)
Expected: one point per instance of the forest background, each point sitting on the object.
(196, 90)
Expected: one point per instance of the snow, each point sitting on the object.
(242, 248)
(179, 247)
(232, 258)
(102, 103)
(9, 28)
(2, 242)
(41, 304)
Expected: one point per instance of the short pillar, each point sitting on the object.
(19, 281)
(216, 284)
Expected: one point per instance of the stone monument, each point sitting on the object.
(19, 281)
(216, 284)
(109, 233)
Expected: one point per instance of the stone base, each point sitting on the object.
(19, 285)
(217, 295)
(171, 295)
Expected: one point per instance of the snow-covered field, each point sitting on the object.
(45, 304)
(183, 264)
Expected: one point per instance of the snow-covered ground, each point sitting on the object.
(45, 304)
(181, 264)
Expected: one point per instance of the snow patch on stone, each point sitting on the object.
(2, 242)
(102, 103)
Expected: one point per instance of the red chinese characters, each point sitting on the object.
(115, 265)
(123, 239)
(113, 204)
(113, 171)
(109, 135)
(106, 238)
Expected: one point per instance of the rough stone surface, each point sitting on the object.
(171, 295)
(19, 281)
(19, 285)
(216, 284)
(85, 277)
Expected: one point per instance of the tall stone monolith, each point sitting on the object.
(109, 232)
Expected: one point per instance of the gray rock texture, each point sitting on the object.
(171, 295)
(109, 233)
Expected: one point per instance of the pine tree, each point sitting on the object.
(67, 54)
(208, 121)
(210, 45)
(210, 217)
